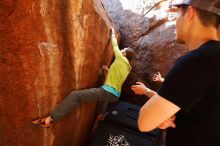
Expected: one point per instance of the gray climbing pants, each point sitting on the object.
(76, 97)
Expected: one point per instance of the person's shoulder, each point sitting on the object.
(209, 52)
(204, 53)
(193, 56)
(209, 49)
(213, 44)
(190, 61)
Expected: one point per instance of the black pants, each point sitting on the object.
(76, 97)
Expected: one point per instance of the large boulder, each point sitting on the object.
(148, 27)
(47, 49)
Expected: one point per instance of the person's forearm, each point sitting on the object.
(150, 93)
(115, 47)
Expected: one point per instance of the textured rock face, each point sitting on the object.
(149, 27)
(47, 49)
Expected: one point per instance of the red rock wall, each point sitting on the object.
(47, 49)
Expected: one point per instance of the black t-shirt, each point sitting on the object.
(193, 84)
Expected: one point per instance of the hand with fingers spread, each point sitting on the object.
(157, 77)
(168, 123)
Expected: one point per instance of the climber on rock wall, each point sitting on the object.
(110, 91)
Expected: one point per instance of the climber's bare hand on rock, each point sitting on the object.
(112, 31)
(105, 68)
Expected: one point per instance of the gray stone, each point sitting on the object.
(149, 28)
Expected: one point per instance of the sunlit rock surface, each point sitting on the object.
(47, 49)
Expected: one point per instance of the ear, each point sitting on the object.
(191, 12)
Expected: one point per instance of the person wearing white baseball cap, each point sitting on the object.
(188, 102)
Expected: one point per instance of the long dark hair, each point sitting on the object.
(129, 53)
